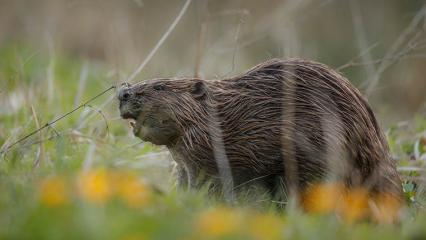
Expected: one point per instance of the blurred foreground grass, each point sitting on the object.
(87, 178)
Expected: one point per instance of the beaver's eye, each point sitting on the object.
(158, 87)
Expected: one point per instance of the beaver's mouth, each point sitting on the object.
(129, 115)
(135, 123)
(132, 123)
(133, 120)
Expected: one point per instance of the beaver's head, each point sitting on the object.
(158, 107)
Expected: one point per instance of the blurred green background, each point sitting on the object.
(235, 35)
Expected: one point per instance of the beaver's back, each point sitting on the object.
(296, 122)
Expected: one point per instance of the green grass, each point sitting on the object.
(103, 141)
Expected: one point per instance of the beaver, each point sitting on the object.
(282, 125)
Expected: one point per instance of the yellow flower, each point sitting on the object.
(265, 227)
(94, 186)
(134, 192)
(218, 222)
(322, 198)
(53, 192)
(355, 205)
(351, 204)
(386, 208)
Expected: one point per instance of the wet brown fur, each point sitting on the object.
(282, 124)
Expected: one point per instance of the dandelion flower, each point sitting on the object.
(53, 192)
(322, 198)
(355, 205)
(94, 186)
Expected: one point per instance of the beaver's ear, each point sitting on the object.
(198, 90)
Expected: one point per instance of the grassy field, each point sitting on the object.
(87, 177)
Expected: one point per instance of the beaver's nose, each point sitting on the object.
(125, 84)
(124, 94)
